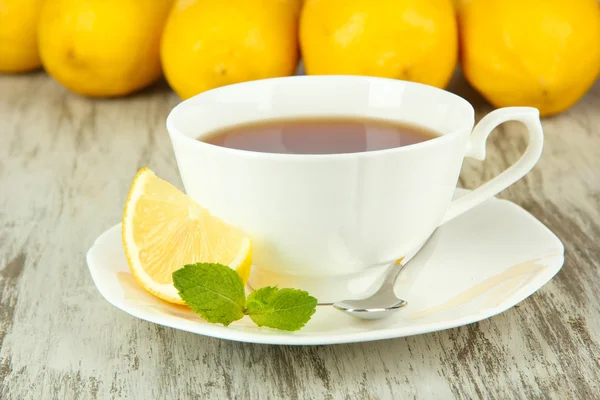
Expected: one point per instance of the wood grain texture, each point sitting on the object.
(66, 163)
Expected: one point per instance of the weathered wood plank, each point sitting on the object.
(65, 166)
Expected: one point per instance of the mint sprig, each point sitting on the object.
(287, 309)
(216, 293)
(213, 291)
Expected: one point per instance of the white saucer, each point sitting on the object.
(478, 265)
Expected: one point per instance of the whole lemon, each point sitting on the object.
(414, 40)
(539, 53)
(102, 48)
(209, 43)
(18, 35)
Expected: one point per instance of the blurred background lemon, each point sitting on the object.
(413, 40)
(102, 48)
(209, 43)
(539, 53)
(18, 35)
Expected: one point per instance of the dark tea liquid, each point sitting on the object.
(328, 135)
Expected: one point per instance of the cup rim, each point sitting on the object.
(175, 132)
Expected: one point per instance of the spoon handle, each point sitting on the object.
(403, 262)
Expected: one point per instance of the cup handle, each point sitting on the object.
(530, 117)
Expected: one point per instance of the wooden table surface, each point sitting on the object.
(66, 163)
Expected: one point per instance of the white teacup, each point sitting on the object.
(329, 224)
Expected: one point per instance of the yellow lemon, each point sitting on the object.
(102, 48)
(459, 3)
(539, 53)
(209, 43)
(18, 35)
(412, 40)
(163, 230)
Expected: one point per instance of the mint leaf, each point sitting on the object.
(286, 309)
(214, 291)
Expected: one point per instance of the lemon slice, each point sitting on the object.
(163, 230)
